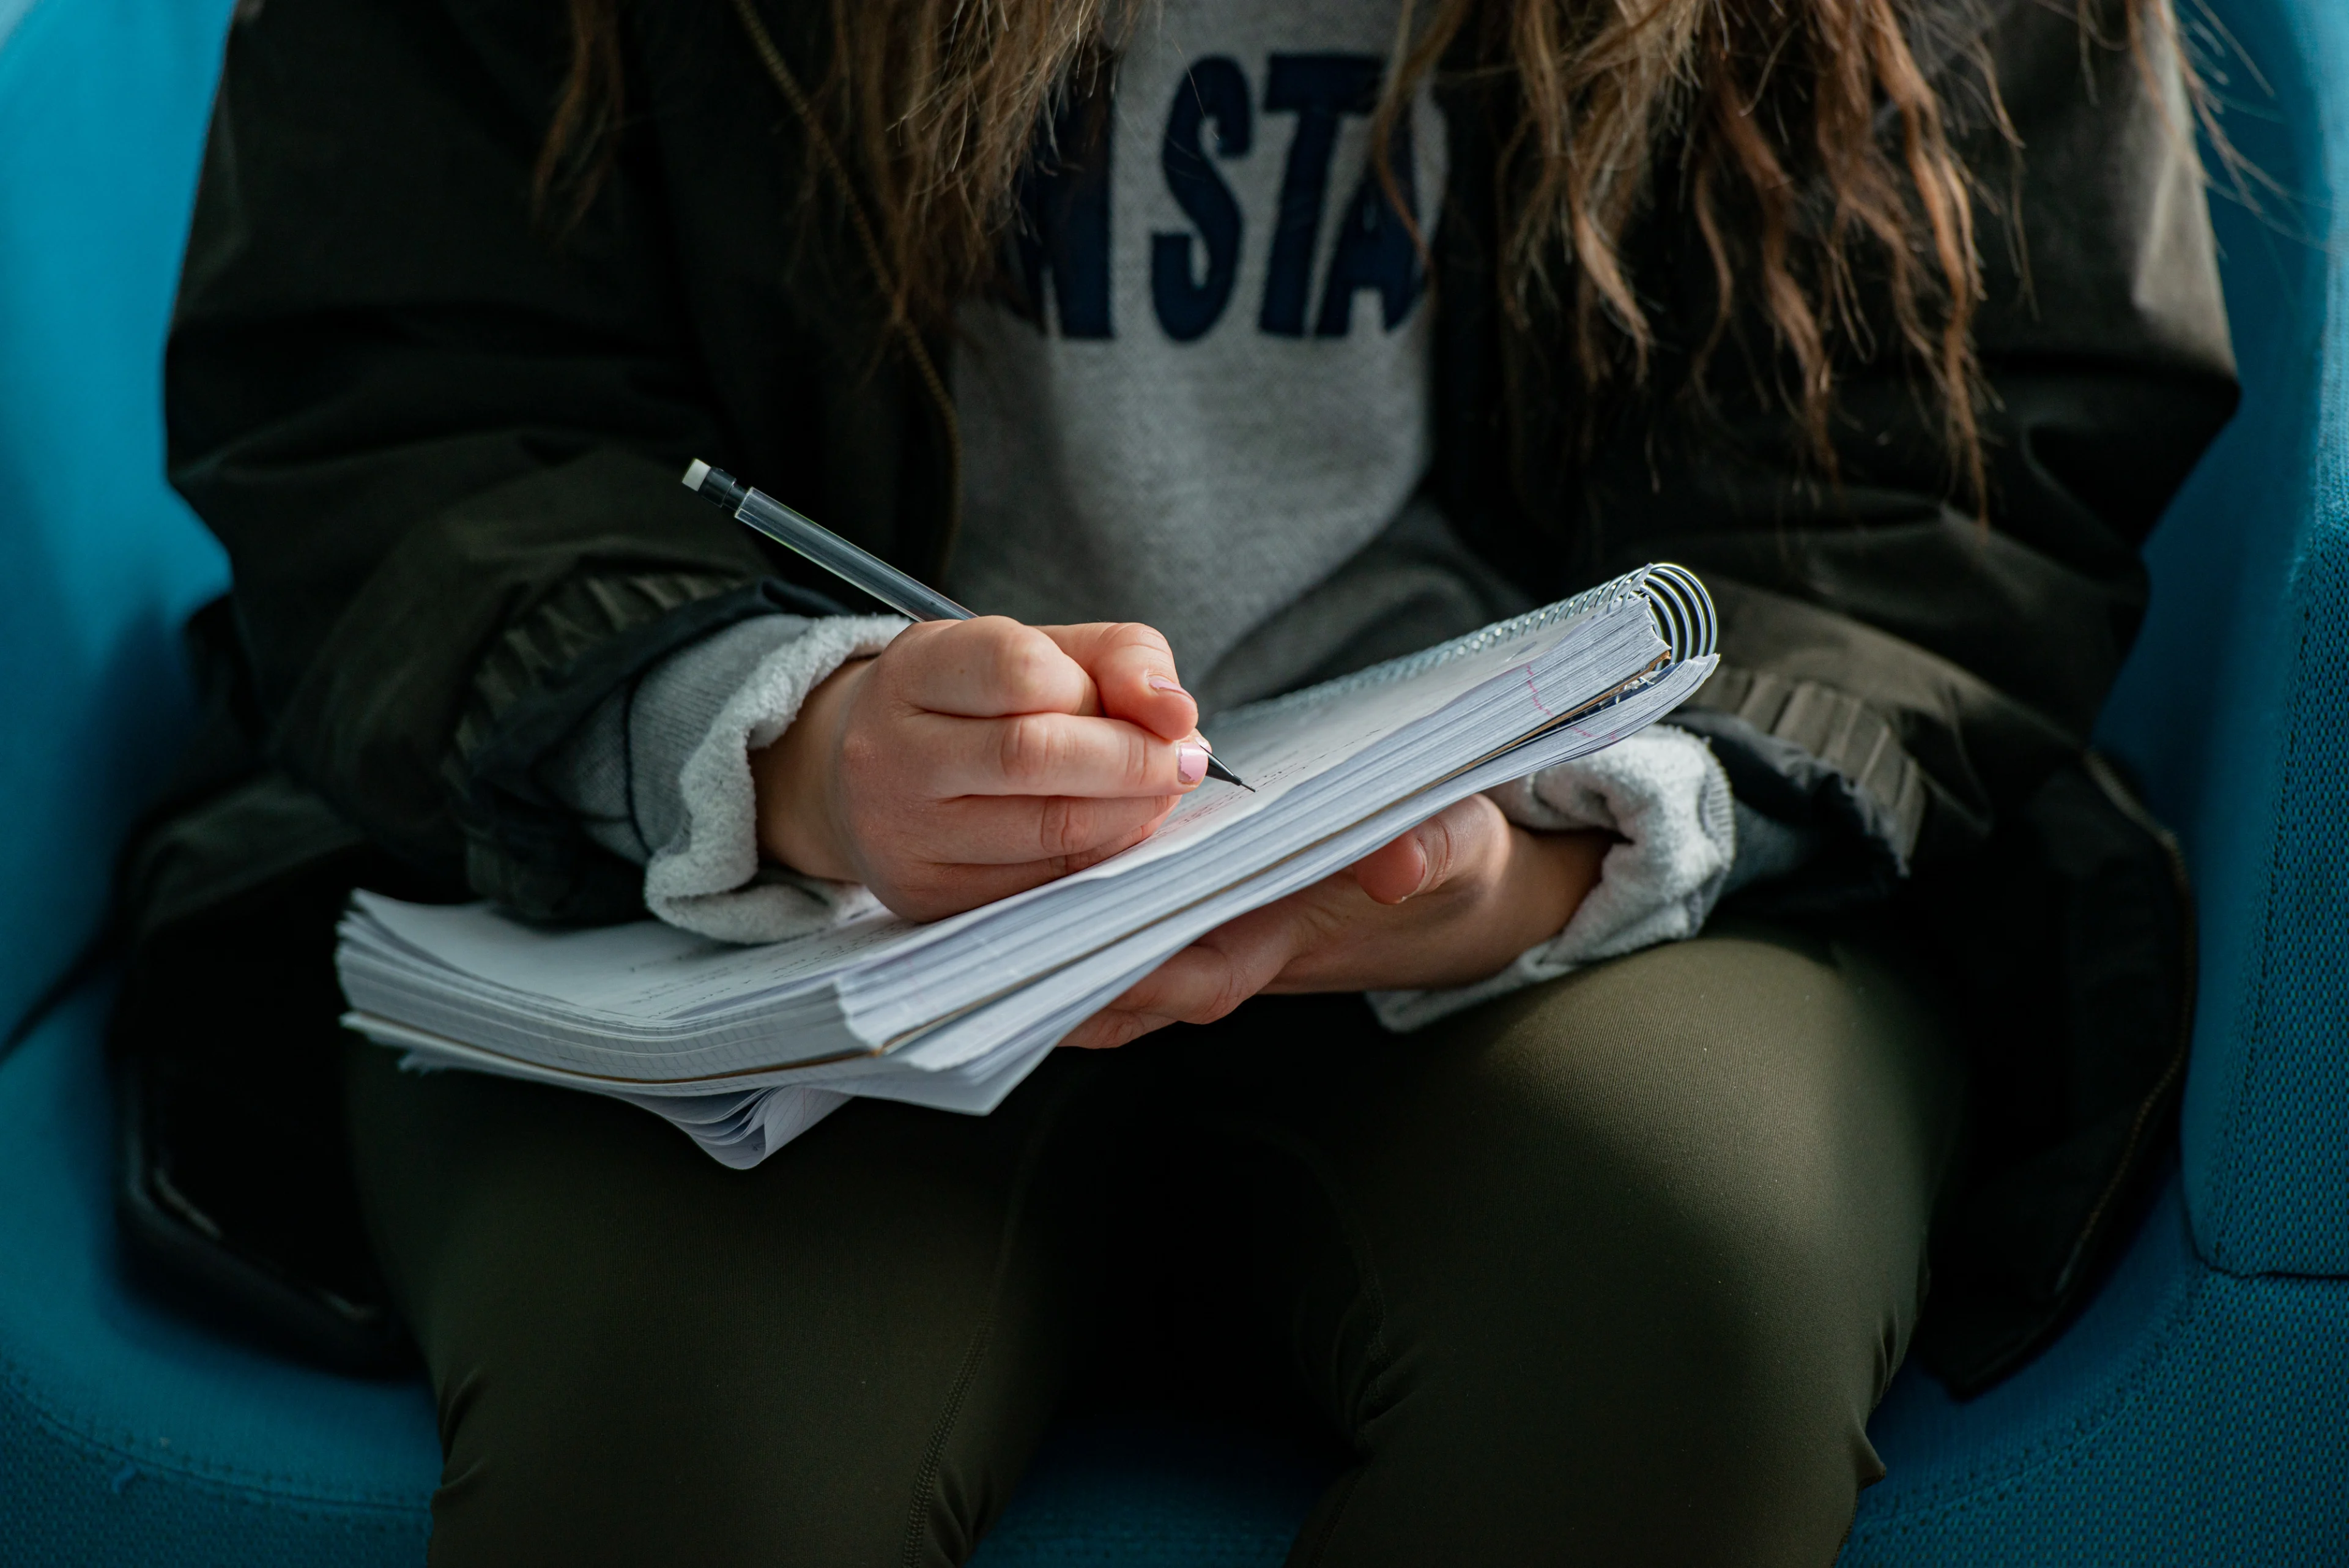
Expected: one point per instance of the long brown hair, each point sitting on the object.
(1810, 147)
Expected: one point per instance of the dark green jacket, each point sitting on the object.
(442, 448)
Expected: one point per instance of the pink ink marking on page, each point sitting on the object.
(1535, 692)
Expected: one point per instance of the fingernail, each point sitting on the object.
(1190, 761)
(1168, 683)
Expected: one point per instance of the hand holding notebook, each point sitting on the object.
(1449, 902)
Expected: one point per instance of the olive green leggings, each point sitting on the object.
(1612, 1271)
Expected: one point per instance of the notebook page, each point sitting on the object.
(642, 971)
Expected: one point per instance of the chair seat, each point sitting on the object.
(130, 1434)
(1142, 1492)
(2190, 1415)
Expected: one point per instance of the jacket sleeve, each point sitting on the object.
(1898, 664)
(440, 445)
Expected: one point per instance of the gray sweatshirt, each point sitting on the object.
(1209, 411)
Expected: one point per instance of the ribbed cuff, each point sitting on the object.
(708, 876)
(1662, 791)
(660, 773)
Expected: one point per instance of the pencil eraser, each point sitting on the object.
(695, 472)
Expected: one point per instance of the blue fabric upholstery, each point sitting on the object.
(1142, 1494)
(102, 107)
(2236, 705)
(129, 1434)
(2191, 1416)
(2194, 1413)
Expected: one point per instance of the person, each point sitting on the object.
(1568, 1164)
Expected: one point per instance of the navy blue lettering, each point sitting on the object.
(1374, 246)
(1215, 89)
(1318, 90)
(1063, 226)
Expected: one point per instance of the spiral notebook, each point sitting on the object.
(745, 1047)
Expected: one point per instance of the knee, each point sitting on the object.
(1739, 1138)
(587, 1449)
(1746, 1376)
(1730, 1270)
(705, 1420)
(1647, 1283)
(1689, 1402)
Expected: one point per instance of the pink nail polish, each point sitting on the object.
(1191, 761)
(1167, 683)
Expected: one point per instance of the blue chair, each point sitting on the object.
(2193, 1415)
(2199, 1410)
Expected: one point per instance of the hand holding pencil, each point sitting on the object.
(975, 757)
(909, 597)
(971, 760)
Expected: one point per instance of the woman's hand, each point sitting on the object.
(972, 759)
(1450, 902)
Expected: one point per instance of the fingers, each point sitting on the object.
(970, 760)
(985, 668)
(1205, 980)
(969, 852)
(1192, 977)
(1133, 671)
(1051, 755)
(1460, 840)
(927, 892)
(1465, 841)
(1395, 870)
(991, 666)
(1070, 831)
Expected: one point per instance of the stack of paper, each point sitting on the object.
(744, 1047)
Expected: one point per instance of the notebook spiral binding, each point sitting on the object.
(1682, 609)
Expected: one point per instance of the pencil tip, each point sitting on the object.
(1216, 770)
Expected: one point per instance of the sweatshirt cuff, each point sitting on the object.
(660, 774)
(706, 876)
(1664, 792)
